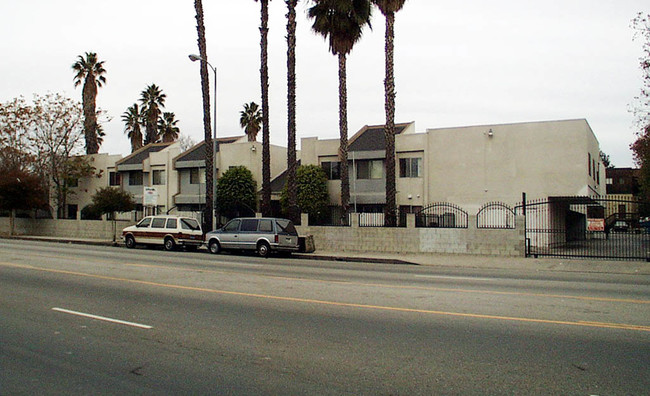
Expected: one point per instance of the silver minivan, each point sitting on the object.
(264, 235)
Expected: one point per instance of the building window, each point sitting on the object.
(372, 169)
(410, 167)
(114, 179)
(589, 163)
(332, 170)
(194, 176)
(73, 182)
(135, 178)
(610, 181)
(158, 178)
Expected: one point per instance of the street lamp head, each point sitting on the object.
(194, 57)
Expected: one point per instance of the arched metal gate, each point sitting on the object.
(587, 227)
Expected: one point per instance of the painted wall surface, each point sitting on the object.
(471, 165)
(88, 186)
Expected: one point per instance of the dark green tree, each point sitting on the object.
(266, 132)
(389, 8)
(152, 100)
(133, 119)
(236, 194)
(20, 190)
(312, 196)
(342, 23)
(91, 72)
(111, 200)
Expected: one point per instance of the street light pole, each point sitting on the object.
(194, 58)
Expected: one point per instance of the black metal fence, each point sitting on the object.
(586, 227)
(496, 215)
(442, 215)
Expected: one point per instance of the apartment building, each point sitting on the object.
(467, 166)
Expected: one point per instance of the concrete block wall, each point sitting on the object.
(73, 229)
(471, 240)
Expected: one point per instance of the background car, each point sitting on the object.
(264, 235)
(168, 231)
(620, 226)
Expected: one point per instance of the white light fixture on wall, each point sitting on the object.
(490, 133)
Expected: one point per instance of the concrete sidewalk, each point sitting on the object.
(436, 260)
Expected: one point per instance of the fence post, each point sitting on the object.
(304, 219)
(410, 220)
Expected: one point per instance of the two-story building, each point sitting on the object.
(467, 166)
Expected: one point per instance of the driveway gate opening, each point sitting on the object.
(586, 227)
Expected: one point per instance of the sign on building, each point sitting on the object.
(150, 196)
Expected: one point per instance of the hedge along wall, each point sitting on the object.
(470, 240)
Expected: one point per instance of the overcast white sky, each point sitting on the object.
(463, 62)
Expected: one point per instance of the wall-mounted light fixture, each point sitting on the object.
(253, 149)
(490, 133)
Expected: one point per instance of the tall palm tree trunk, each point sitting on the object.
(207, 132)
(389, 129)
(90, 115)
(343, 130)
(292, 187)
(266, 145)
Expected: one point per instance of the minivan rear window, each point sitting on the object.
(286, 227)
(266, 226)
(190, 224)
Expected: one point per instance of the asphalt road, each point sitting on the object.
(193, 323)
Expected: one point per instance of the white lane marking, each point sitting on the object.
(455, 277)
(86, 315)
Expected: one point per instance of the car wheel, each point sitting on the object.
(263, 249)
(169, 244)
(214, 247)
(129, 241)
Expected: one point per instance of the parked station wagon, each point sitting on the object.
(168, 231)
(263, 235)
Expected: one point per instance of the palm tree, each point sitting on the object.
(292, 186)
(91, 72)
(133, 120)
(207, 132)
(251, 120)
(266, 133)
(167, 126)
(342, 21)
(152, 100)
(389, 8)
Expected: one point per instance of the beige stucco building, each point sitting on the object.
(466, 166)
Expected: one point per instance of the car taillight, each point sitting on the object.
(277, 238)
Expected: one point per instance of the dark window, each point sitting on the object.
(194, 176)
(135, 178)
(371, 169)
(332, 170)
(114, 179)
(190, 224)
(232, 226)
(286, 227)
(589, 163)
(266, 225)
(410, 167)
(73, 182)
(249, 225)
(158, 178)
(144, 222)
(158, 222)
(171, 223)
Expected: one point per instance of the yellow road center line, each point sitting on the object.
(339, 304)
(442, 289)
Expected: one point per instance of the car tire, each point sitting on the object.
(169, 244)
(263, 249)
(214, 247)
(129, 241)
